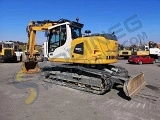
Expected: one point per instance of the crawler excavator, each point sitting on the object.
(82, 62)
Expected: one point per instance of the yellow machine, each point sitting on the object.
(123, 52)
(7, 52)
(140, 50)
(84, 62)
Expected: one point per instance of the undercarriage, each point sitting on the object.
(96, 79)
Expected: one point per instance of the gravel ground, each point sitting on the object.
(53, 102)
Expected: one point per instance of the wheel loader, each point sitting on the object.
(7, 52)
(124, 52)
(83, 62)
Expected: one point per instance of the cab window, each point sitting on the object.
(57, 38)
(16, 47)
(76, 32)
(5, 45)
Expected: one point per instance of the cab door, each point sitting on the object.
(59, 44)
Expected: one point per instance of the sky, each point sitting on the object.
(131, 20)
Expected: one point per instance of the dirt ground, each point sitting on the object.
(53, 102)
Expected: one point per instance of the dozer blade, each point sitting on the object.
(134, 85)
(30, 67)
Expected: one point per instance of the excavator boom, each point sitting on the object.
(29, 59)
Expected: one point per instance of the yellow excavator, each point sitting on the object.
(83, 62)
(124, 52)
(140, 50)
